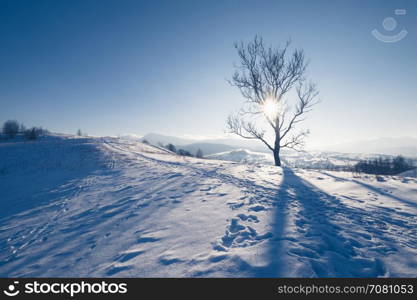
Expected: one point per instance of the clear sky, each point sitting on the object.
(114, 67)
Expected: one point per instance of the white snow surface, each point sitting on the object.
(243, 156)
(93, 207)
(409, 173)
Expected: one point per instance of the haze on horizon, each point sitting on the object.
(111, 67)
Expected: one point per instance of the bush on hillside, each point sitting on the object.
(11, 128)
(383, 166)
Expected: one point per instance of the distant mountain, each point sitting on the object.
(208, 146)
(253, 145)
(391, 146)
(130, 136)
(155, 139)
(406, 146)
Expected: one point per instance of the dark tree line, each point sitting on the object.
(384, 166)
(183, 152)
(12, 128)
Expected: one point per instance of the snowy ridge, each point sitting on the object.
(113, 207)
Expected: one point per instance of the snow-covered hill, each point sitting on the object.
(409, 173)
(113, 207)
(208, 145)
(243, 156)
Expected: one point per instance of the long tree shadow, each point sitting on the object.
(317, 235)
(281, 200)
(321, 236)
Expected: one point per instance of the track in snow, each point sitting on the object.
(141, 211)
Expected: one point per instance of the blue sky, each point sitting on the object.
(114, 67)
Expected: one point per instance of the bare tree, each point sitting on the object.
(266, 77)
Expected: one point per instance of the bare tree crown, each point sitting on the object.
(264, 77)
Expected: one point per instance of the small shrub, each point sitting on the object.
(31, 134)
(34, 133)
(183, 152)
(171, 148)
(11, 128)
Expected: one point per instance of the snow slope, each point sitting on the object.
(298, 159)
(409, 173)
(243, 156)
(113, 207)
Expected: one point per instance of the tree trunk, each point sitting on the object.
(277, 144)
(276, 157)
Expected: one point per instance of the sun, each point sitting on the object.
(270, 108)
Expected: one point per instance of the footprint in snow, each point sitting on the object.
(235, 205)
(257, 208)
(249, 218)
(238, 235)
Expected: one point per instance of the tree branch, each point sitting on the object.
(246, 130)
(306, 100)
(267, 72)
